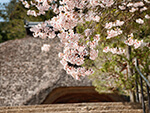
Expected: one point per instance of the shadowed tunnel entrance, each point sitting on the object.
(80, 94)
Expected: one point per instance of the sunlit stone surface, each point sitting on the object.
(28, 75)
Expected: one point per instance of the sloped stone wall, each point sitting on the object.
(28, 75)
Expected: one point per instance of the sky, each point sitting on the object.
(4, 1)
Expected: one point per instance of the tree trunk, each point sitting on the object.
(130, 73)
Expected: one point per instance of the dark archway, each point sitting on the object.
(80, 94)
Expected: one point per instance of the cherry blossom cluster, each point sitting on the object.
(72, 59)
(134, 6)
(92, 45)
(45, 47)
(41, 5)
(43, 31)
(102, 3)
(25, 3)
(89, 16)
(136, 43)
(70, 13)
(65, 21)
(75, 54)
(114, 50)
(95, 41)
(140, 21)
(31, 12)
(114, 24)
(147, 16)
(113, 33)
(77, 72)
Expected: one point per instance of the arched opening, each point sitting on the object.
(80, 94)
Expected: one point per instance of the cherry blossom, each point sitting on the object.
(138, 4)
(112, 33)
(93, 54)
(106, 49)
(87, 32)
(133, 9)
(140, 21)
(108, 3)
(136, 43)
(118, 23)
(114, 50)
(78, 47)
(147, 16)
(122, 7)
(109, 25)
(45, 47)
(31, 12)
(130, 4)
(94, 2)
(147, 1)
(114, 24)
(143, 9)
(26, 5)
(130, 41)
(96, 18)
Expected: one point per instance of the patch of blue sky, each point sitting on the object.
(1, 2)
(4, 1)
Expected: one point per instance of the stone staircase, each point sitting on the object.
(99, 107)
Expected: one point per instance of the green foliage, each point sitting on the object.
(15, 29)
(3, 36)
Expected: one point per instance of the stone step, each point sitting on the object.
(134, 105)
(53, 109)
(106, 107)
(73, 108)
(94, 111)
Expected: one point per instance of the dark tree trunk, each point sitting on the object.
(130, 73)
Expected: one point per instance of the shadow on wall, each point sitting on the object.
(81, 94)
